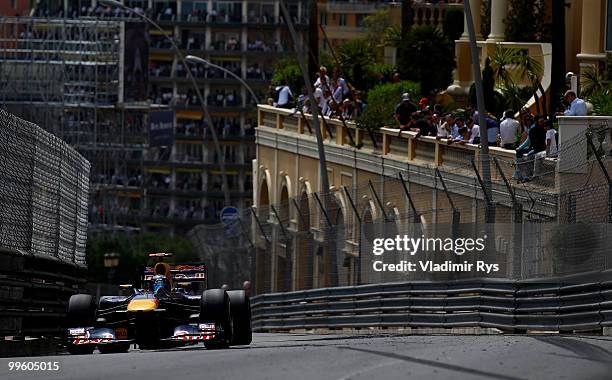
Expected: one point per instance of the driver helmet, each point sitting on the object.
(160, 282)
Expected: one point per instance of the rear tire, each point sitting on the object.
(215, 307)
(81, 311)
(241, 315)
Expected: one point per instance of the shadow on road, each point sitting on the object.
(432, 363)
(582, 350)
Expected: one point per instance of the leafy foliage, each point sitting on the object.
(288, 70)
(514, 95)
(525, 21)
(488, 86)
(133, 252)
(602, 102)
(381, 102)
(452, 25)
(358, 62)
(590, 82)
(376, 26)
(392, 36)
(427, 56)
(485, 18)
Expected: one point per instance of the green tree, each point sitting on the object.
(452, 25)
(488, 86)
(524, 68)
(133, 251)
(427, 56)
(525, 21)
(381, 102)
(288, 71)
(378, 29)
(485, 18)
(357, 61)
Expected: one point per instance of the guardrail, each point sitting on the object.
(34, 292)
(580, 302)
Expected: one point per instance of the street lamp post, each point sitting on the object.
(111, 262)
(193, 58)
(207, 117)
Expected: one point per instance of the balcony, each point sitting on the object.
(395, 151)
(353, 6)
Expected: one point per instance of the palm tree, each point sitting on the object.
(507, 62)
(590, 82)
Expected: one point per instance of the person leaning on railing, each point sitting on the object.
(526, 152)
(508, 130)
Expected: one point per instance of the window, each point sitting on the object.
(323, 18)
(342, 20)
(360, 20)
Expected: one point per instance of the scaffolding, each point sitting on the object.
(65, 76)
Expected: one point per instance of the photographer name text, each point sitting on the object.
(412, 246)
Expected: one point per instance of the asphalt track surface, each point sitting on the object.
(309, 356)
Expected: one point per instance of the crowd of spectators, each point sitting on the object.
(224, 99)
(334, 97)
(161, 12)
(532, 137)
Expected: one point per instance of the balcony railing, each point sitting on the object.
(353, 7)
(404, 146)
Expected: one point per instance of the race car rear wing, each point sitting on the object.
(182, 272)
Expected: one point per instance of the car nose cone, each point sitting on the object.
(142, 305)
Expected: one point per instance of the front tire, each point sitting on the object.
(215, 307)
(241, 315)
(81, 311)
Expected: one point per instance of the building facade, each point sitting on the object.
(78, 88)
(586, 26)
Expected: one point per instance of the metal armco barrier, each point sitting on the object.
(34, 293)
(579, 302)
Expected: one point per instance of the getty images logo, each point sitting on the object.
(412, 246)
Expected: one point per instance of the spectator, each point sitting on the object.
(396, 77)
(423, 125)
(492, 131)
(473, 133)
(424, 104)
(526, 152)
(492, 128)
(447, 127)
(359, 104)
(551, 139)
(404, 111)
(439, 126)
(340, 82)
(322, 74)
(320, 98)
(337, 94)
(458, 131)
(508, 130)
(577, 106)
(282, 96)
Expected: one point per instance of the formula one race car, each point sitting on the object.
(173, 308)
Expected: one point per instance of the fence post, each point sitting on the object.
(490, 206)
(604, 171)
(456, 213)
(417, 216)
(358, 217)
(380, 204)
